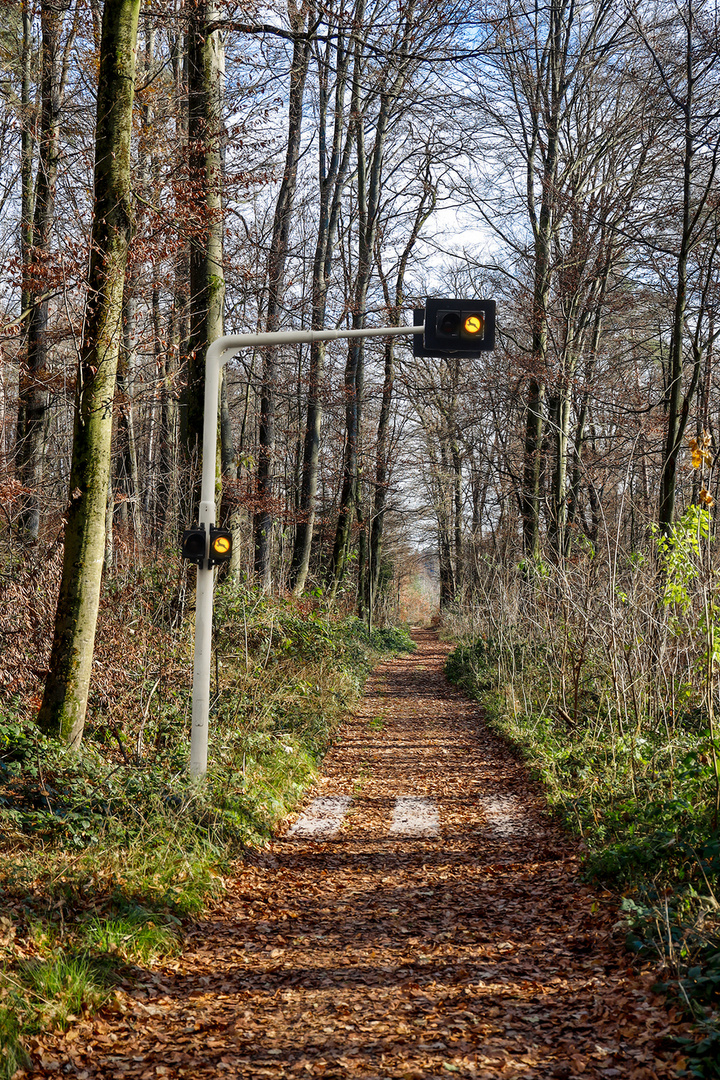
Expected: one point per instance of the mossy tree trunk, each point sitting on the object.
(66, 691)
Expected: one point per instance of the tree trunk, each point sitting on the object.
(277, 259)
(369, 174)
(169, 434)
(126, 441)
(26, 159)
(382, 466)
(333, 174)
(64, 702)
(206, 68)
(426, 206)
(677, 405)
(33, 383)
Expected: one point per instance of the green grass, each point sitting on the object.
(137, 936)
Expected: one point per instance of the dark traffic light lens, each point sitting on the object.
(450, 324)
(193, 544)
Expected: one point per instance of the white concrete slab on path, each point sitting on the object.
(414, 816)
(322, 819)
(505, 816)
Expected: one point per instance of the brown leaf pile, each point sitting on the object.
(477, 953)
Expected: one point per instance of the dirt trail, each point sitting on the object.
(372, 953)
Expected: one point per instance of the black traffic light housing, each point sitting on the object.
(220, 546)
(460, 328)
(193, 544)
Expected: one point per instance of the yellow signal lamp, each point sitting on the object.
(473, 325)
(220, 546)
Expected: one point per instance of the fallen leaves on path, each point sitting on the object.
(477, 952)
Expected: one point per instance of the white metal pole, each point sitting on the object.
(214, 359)
(218, 353)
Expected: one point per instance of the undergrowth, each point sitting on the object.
(107, 850)
(654, 841)
(611, 697)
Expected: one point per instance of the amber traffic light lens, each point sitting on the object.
(473, 324)
(221, 545)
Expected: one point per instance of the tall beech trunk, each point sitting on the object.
(369, 172)
(33, 381)
(64, 702)
(334, 167)
(207, 282)
(544, 143)
(697, 190)
(126, 459)
(369, 187)
(169, 436)
(26, 164)
(277, 259)
(546, 55)
(425, 208)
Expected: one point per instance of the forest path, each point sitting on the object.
(441, 930)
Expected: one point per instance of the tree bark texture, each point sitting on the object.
(33, 382)
(696, 191)
(207, 281)
(334, 165)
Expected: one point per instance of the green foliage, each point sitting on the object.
(48, 991)
(136, 935)
(393, 639)
(680, 552)
(13, 1055)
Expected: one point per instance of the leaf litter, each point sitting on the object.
(476, 952)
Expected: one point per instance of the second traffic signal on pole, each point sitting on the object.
(193, 544)
(219, 549)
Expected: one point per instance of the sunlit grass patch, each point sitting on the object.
(136, 936)
(47, 992)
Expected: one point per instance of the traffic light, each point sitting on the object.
(220, 546)
(460, 328)
(193, 544)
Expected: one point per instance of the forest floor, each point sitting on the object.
(423, 917)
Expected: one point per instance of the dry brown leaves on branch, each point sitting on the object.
(476, 952)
